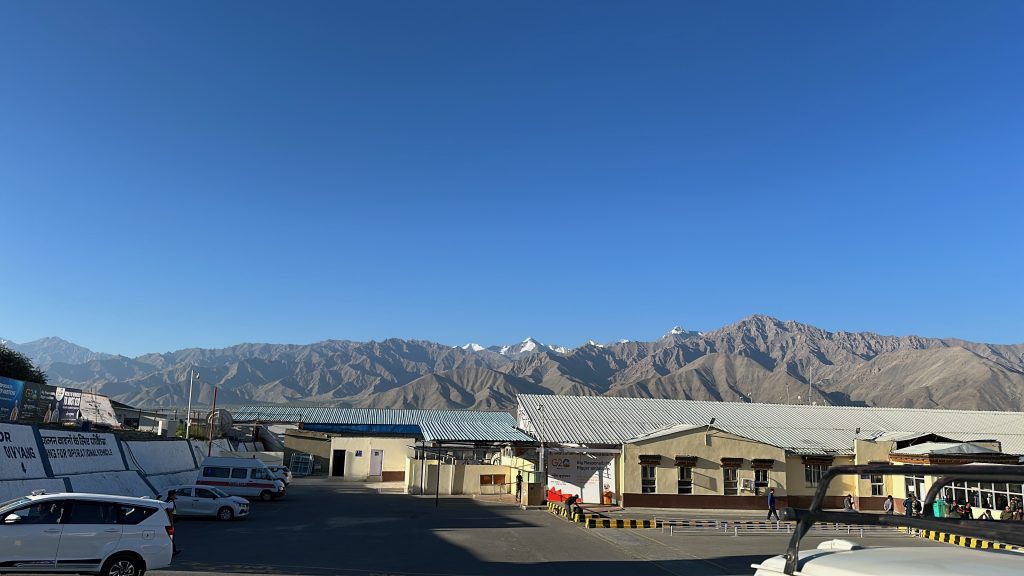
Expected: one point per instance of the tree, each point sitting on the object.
(16, 365)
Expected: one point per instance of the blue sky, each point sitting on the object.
(178, 174)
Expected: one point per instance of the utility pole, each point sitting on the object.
(213, 414)
(188, 413)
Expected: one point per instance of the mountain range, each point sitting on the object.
(758, 359)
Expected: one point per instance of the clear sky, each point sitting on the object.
(177, 174)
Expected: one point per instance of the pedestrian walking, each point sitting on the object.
(172, 510)
(771, 505)
(519, 486)
(889, 505)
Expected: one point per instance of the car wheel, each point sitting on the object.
(266, 496)
(225, 513)
(123, 565)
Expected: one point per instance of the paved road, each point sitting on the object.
(327, 527)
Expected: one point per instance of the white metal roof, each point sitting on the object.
(945, 448)
(799, 429)
(434, 425)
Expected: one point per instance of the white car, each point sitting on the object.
(282, 473)
(84, 533)
(195, 500)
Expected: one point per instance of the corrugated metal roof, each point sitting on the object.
(321, 415)
(434, 425)
(944, 448)
(799, 429)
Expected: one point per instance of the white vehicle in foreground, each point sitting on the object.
(195, 500)
(846, 558)
(84, 533)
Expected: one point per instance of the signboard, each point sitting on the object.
(588, 475)
(10, 398)
(38, 403)
(19, 453)
(69, 402)
(78, 452)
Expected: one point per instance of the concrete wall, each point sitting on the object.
(357, 455)
(457, 479)
(316, 444)
(59, 460)
(159, 457)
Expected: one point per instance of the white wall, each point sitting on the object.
(159, 457)
(10, 489)
(124, 483)
(20, 455)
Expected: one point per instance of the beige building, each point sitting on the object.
(692, 454)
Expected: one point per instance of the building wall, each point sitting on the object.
(708, 476)
(458, 479)
(316, 444)
(357, 455)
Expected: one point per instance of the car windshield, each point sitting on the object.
(220, 493)
(13, 503)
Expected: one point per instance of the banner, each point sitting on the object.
(586, 475)
(19, 453)
(37, 403)
(69, 403)
(10, 398)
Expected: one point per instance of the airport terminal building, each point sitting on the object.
(654, 452)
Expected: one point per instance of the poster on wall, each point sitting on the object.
(69, 403)
(10, 398)
(36, 402)
(78, 452)
(588, 475)
(19, 453)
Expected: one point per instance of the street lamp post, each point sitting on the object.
(188, 413)
(540, 437)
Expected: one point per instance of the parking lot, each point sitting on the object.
(329, 527)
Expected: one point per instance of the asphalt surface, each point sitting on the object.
(328, 527)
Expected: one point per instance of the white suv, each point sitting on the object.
(84, 533)
(282, 473)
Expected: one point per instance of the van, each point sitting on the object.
(246, 477)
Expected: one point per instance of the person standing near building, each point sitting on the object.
(908, 505)
(848, 503)
(771, 505)
(519, 486)
(889, 505)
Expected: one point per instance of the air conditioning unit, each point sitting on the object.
(747, 484)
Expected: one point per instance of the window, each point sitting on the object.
(877, 485)
(133, 514)
(239, 473)
(216, 472)
(260, 474)
(46, 512)
(730, 484)
(204, 493)
(813, 474)
(685, 480)
(182, 492)
(648, 480)
(83, 512)
(761, 478)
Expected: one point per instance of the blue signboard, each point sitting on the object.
(10, 398)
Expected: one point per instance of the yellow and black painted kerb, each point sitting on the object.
(967, 542)
(559, 510)
(608, 523)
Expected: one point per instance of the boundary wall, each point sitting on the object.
(33, 458)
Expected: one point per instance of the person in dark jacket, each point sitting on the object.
(771, 505)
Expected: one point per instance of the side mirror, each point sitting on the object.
(12, 519)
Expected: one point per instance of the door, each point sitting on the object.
(206, 502)
(338, 463)
(376, 462)
(91, 532)
(183, 504)
(31, 534)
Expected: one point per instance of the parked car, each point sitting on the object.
(84, 533)
(246, 477)
(282, 473)
(195, 500)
